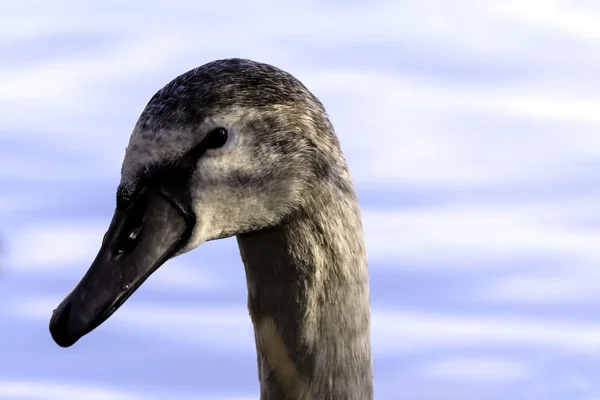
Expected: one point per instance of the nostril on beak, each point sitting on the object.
(59, 325)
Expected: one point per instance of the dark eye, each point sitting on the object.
(216, 138)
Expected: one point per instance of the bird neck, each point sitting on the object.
(308, 297)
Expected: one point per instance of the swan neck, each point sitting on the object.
(308, 297)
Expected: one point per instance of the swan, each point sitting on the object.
(241, 148)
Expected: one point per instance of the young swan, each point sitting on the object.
(237, 147)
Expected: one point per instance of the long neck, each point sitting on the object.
(308, 297)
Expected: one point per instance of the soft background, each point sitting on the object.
(471, 128)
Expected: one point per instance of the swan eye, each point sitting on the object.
(216, 138)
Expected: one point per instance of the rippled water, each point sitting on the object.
(471, 129)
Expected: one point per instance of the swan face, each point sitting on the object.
(255, 179)
(178, 190)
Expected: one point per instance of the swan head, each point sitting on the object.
(231, 147)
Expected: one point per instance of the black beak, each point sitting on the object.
(141, 237)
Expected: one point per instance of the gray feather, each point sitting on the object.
(282, 186)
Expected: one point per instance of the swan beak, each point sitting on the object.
(141, 237)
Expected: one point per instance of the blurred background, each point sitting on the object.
(471, 129)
